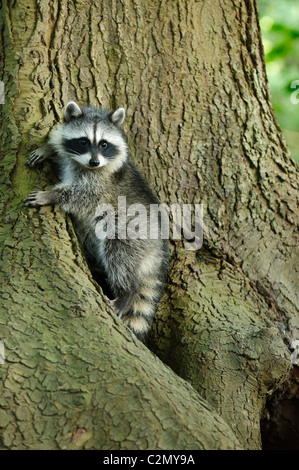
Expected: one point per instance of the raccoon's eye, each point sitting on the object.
(103, 144)
(83, 141)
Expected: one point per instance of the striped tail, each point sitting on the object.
(137, 311)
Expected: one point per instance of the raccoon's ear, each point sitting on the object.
(72, 111)
(118, 116)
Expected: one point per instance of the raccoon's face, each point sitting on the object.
(91, 137)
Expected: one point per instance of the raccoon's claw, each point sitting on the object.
(34, 199)
(36, 157)
(30, 200)
(114, 305)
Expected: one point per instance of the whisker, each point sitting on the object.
(74, 152)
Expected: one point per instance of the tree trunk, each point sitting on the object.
(191, 76)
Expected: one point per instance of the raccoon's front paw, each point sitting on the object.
(36, 157)
(36, 199)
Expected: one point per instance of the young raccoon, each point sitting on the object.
(95, 169)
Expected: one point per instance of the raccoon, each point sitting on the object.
(94, 168)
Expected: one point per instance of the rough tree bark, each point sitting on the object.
(191, 76)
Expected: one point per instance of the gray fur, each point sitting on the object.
(135, 268)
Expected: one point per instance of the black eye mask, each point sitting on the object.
(77, 146)
(82, 145)
(107, 149)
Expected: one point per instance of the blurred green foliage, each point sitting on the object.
(279, 20)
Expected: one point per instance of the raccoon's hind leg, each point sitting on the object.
(122, 303)
(39, 155)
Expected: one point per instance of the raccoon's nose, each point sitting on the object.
(94, 162)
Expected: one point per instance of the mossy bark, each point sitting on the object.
(191, 76)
